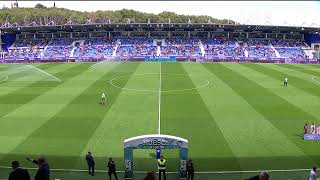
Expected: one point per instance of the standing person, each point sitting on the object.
(158, 153)
(18, 173)
(90, 162)
(162, 167)
(285, 83)
(318, 129)
(264, 175)
(43, 172)
(313, 173)
(150, 176)
(190, 169)
(305, 128)
(312, 128)
(112, 169)
(103, 99)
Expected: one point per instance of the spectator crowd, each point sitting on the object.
(101, 47)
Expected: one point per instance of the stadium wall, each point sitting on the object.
(171, 59)
(312, 38)
(7, 40)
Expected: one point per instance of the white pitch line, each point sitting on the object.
(5, 79)
(314, 79)
(157, 91)
(45, 73)
(97, 64)
(159, 110)
(174, 172)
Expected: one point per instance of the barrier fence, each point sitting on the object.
(77, 174)
(163, 59)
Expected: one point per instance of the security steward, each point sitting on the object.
(162, 167)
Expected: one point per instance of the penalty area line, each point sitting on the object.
(97, 64)
(45, 73)
(173, 172)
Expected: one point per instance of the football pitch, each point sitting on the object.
(236, 116)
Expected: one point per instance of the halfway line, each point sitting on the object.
(159, 110)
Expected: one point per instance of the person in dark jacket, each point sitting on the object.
(190, 169)
(91, 163)
(264, 175)
(150, 176)
(43, 172)
(18, 173)
(112, 169)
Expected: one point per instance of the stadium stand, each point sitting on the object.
(290, 48)
(136, 46)
(94, 47)
(31, 42)
(142, 46)
(205, 46)
(58, 48)
(222, 47)
(177, 46)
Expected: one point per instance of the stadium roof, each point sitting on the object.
(14, 28)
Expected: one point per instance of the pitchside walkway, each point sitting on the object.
(70, 175)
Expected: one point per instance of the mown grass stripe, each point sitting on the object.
(296, 126)
(44, 66)
(26, 75)
(16, 72)
(239, 122)
(298, 97)
(133, 113)
(185, 114)
(26, 94)
(316, 66)
(274, 108)
(84, 112)
(43, 108)
(304, 83)
(299, 74)
(25, 116)
(30, 77)
(301, 68)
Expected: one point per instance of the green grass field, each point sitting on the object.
(236, 116)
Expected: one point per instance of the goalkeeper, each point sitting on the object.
(103, 99)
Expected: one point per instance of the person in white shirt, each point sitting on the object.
(313, 173)
(318, 129)
(264, 175)
(285, 83)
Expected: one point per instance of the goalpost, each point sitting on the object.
(155, 141)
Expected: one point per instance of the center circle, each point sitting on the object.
(3, 78)
(150, 82)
